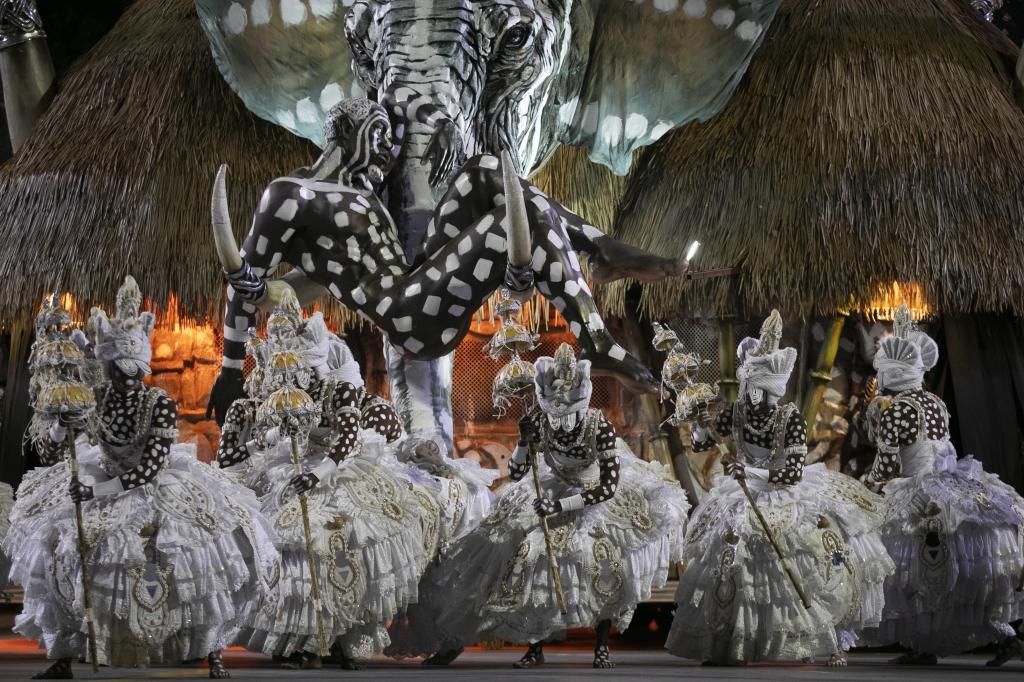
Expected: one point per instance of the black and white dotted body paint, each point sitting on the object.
(592, 437)
(910, 416)
(343, 239)
(759, 429)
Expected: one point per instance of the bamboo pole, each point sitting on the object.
(786, 567)
(552, 561)
(728, 385)
(310, 555)
(822, 375)
(83, 555)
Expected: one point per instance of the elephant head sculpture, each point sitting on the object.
(488, 75)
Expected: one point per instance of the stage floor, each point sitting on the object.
(565, 665)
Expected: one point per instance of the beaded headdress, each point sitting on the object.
(124, 340)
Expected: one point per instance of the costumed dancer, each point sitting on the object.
(461, 486)
(176, 552)
(372, 528)
(616, 525)
(954, 530)
(802, 590)
(6, 503)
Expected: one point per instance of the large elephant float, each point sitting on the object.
(460, 78)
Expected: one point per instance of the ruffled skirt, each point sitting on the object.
(374, 530)
(735, 601)
(496, 581)
(173, 565)
(6, 504)
(955, 533)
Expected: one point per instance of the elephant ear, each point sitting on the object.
(287, 59)
(656, 65)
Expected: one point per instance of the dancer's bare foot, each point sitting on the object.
(711, 663)
(614, 260)
(303, 660)
(603, 657)
(533, 657)
(1009, 648)
(836, 660)
(217, 669)
(60, 670)
(443, 657)
(915, 658)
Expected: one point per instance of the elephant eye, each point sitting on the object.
(516, 36)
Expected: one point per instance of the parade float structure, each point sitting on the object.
(869, 157)
(865, 158)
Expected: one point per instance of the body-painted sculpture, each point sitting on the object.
(177, 553)
(736, 603)
(326, 223)
(954, 530)
(616, 524)
(466, 77)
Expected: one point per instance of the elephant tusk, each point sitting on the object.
(220, 216)
(518, 227)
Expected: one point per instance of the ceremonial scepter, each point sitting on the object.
(292, 407)
(516, 380)
(310, 553)
(62, 397)
(692, 398)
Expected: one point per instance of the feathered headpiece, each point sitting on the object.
(903, 358)
(124, 340)
(563, 382)
(764, 367)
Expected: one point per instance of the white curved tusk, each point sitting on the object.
(220, 217)
(517, 231)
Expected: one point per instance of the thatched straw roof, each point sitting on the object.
(116, 177)
(871, 141)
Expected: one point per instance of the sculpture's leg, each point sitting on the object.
(421, 391)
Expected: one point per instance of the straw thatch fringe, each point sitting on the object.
(870, 142)
(116, 177)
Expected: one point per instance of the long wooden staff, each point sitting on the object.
(552, 561)
(83, 555)
(310, 554)
(764, 525)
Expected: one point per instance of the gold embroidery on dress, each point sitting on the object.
(608, 573)
(378, 493)
(188, 501)
(779, 517)
(509, 589)
(725, 582)
(933, 552)
(345, 586)
(431, 522)
(630, 504)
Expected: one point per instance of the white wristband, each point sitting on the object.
(700, 434)
(57, 433)
(574, 503)
(272, 436)
(521, 454)
(107, 488)
(755, 474)
(324, 468)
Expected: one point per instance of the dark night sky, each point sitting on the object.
(74, 28)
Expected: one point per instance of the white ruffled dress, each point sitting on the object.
(174, 564)
(374, 531)
(6, 504)
(496, 580)
(735, 602)
(956, 534)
